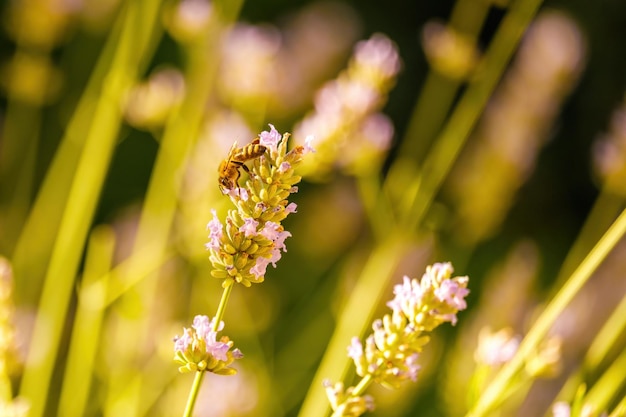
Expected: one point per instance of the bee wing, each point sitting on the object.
(233, 150)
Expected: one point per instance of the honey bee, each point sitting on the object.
(237, 157)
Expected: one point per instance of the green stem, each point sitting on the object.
(502, 380)
(101, 134)
(354, 319)
(620, 409)
(375, 203)
(466, 114)
(365, 382)
(222, 306)
(439, 91)
(193, 394)
(607, 340)
(605, 208)
(87, 329)
(612, 382)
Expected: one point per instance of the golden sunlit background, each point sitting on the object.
(487, 133)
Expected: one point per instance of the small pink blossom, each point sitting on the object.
(271, 230)
(181, 343)
(452, 293)
(243, 194)
(284, 167)
(291, 208)
(202, 325)
(355, 350)
(216, 231)
(249, 227)
(217, 349)
(260, 267)
(271, 138)
(412, 366)
(407, 295)
(308, 144)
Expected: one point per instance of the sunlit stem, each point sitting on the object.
(448, 145)
(499, 386)
(222, 307)
(193, 394)
(362, 385)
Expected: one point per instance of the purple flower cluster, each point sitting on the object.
(434, 299)
(390, 354)
(351, 132)
(253, 236)
(199, 350)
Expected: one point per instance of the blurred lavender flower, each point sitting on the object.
(563, 409)
(187, 20)
(515, 126)
(448, 51)
(149, 103)
(349, 130)
(249, 60)
(609, 154)
(496, 348)
(10, 407)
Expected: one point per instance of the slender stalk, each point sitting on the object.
(502, 380)
(605, 208)
(354, 319)
(606, 389)
(193, 394)
(439, 91)
(362, 385)
(608, 338)
(620, 409)
(86, 333)
(222, 306)
(34, 246)
(375, 203)
(466, 114)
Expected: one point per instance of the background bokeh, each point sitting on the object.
(530, 174)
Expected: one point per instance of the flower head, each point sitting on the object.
(344, 403)
(253, 236)
(199, 350)
(391, 352)
(497, 348)
(434, 299)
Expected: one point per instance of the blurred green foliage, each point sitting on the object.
(50, 51)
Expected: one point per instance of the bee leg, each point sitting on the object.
(250, 173)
